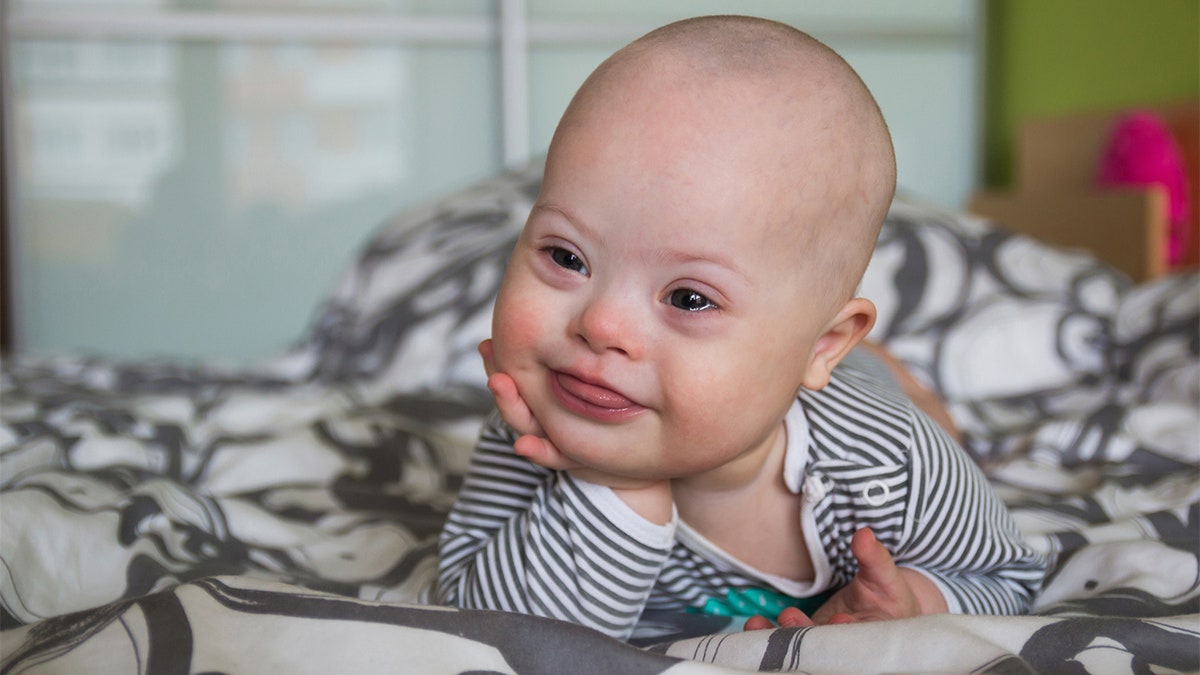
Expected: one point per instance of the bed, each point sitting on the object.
(165, 517)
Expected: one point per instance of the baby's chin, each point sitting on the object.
(582, 443)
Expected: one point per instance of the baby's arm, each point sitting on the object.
(960, 552)
(524, 538)
(961, 535)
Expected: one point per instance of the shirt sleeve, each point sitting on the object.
(523, 538)
(960, 534)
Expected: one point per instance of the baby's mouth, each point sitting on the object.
(591, 400)
(594, 394)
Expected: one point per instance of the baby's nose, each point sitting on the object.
(609, 324)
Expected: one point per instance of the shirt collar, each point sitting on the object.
(795, 455)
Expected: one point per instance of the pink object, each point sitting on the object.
(1142, 151)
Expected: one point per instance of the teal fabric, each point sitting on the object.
(748, 602)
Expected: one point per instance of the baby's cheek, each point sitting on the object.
(721, 410)
(516, 329)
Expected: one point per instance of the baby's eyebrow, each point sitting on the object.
(561, 212)
(672, 256)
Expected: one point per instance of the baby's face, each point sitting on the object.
(654, 318)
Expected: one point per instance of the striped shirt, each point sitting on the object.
(527, 539)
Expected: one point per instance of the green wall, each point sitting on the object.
(1052, 56)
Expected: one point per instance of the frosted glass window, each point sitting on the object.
(403, 7)
(199, 199)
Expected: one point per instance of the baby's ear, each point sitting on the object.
(847, 329)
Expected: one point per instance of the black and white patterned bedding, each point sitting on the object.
(159, 517)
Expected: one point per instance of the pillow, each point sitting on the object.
(410, 312)
(1006, 329)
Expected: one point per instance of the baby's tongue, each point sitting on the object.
(594, 394)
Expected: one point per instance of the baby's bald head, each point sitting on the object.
(820, 170)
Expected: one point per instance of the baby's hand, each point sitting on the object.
(532, 443)
(879, 591)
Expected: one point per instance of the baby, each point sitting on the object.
(673, 430)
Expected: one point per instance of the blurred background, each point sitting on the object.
(188, 178)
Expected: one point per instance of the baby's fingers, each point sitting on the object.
(790, 617)
(504, 390)
(874, 561)
(757, 622)
(512, 407)
(488, 355)
(542, 452)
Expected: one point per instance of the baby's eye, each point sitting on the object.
(567, 260)
(689, 300)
